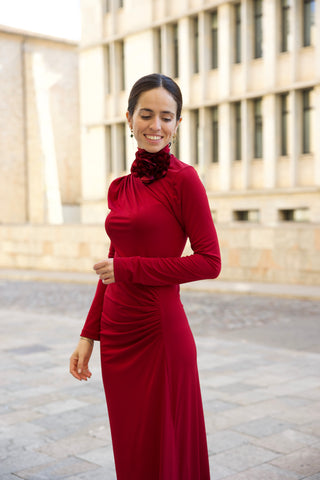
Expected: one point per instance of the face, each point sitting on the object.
(154, 119)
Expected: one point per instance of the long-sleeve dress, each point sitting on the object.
(148, 354)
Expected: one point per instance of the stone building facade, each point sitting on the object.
(249, 72)
(40, 181)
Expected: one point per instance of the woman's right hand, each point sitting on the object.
(79, 360)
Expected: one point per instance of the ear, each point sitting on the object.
(129, 119)
(178, 123)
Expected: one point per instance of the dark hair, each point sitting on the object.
(154, 80)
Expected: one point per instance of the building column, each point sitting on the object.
(225, 153)
(294, 45)
(270, 42)
(270, 128)
(204, 48)
(93, 134)
(184, 57)
(246, 26)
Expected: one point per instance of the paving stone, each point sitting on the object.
(244, 457)
(218, 471)
(302, 415)
(287, 441)
(72, 445)
(56, 471)
(100, 456)
(21, 459)
(220, 441)
(65, 405)
(262, 427)
(97, 474)
(305, 461)
(217, 405)
(53, 427)
(265, 472)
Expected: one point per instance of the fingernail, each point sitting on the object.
(79, 371)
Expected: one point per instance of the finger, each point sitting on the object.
(74, 368)
(99, 265)
(108, 280)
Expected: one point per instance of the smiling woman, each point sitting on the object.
(154, 119)
(148, 354)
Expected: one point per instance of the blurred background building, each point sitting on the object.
(40, 180)
(249, 72)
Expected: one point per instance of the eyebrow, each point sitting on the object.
(167, 112)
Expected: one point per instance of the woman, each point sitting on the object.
(148, 354)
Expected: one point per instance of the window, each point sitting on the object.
(175, 66)
(294, 215)
(306, 120)
(246, 216)
(258, 34)
(284, 113)
(214, 39)
(258, 127)
(195, 128)
(215, 134)
(237, 123)
(195, 31)
(309, 7)
(237, 33)
(285, 25)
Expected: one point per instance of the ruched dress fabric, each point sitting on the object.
(148, 353)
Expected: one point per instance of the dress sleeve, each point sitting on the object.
(196, 219)
(91, 328)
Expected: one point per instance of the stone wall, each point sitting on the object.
(39, 128)
(282, 254)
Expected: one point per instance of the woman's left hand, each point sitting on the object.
(105, 271)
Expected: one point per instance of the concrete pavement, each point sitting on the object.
(259, 366)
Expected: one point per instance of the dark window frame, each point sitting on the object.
(258, 28)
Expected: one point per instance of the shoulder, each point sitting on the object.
(182, 173)
(116, 186)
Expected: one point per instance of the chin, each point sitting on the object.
(153, 148)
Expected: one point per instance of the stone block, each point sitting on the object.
(262, 238)
(304, 462)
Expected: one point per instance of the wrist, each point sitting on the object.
(86, 339)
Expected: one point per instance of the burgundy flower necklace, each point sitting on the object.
(151, 166)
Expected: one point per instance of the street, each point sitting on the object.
(259, 368)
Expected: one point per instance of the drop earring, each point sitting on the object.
(131, 134)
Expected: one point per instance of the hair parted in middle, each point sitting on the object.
(154, 80)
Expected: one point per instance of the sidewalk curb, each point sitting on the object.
(309, 292)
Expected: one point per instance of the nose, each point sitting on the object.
(155, 123)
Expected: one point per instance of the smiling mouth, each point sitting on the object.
(153, 137)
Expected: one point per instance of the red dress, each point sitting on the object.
(148, 354)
